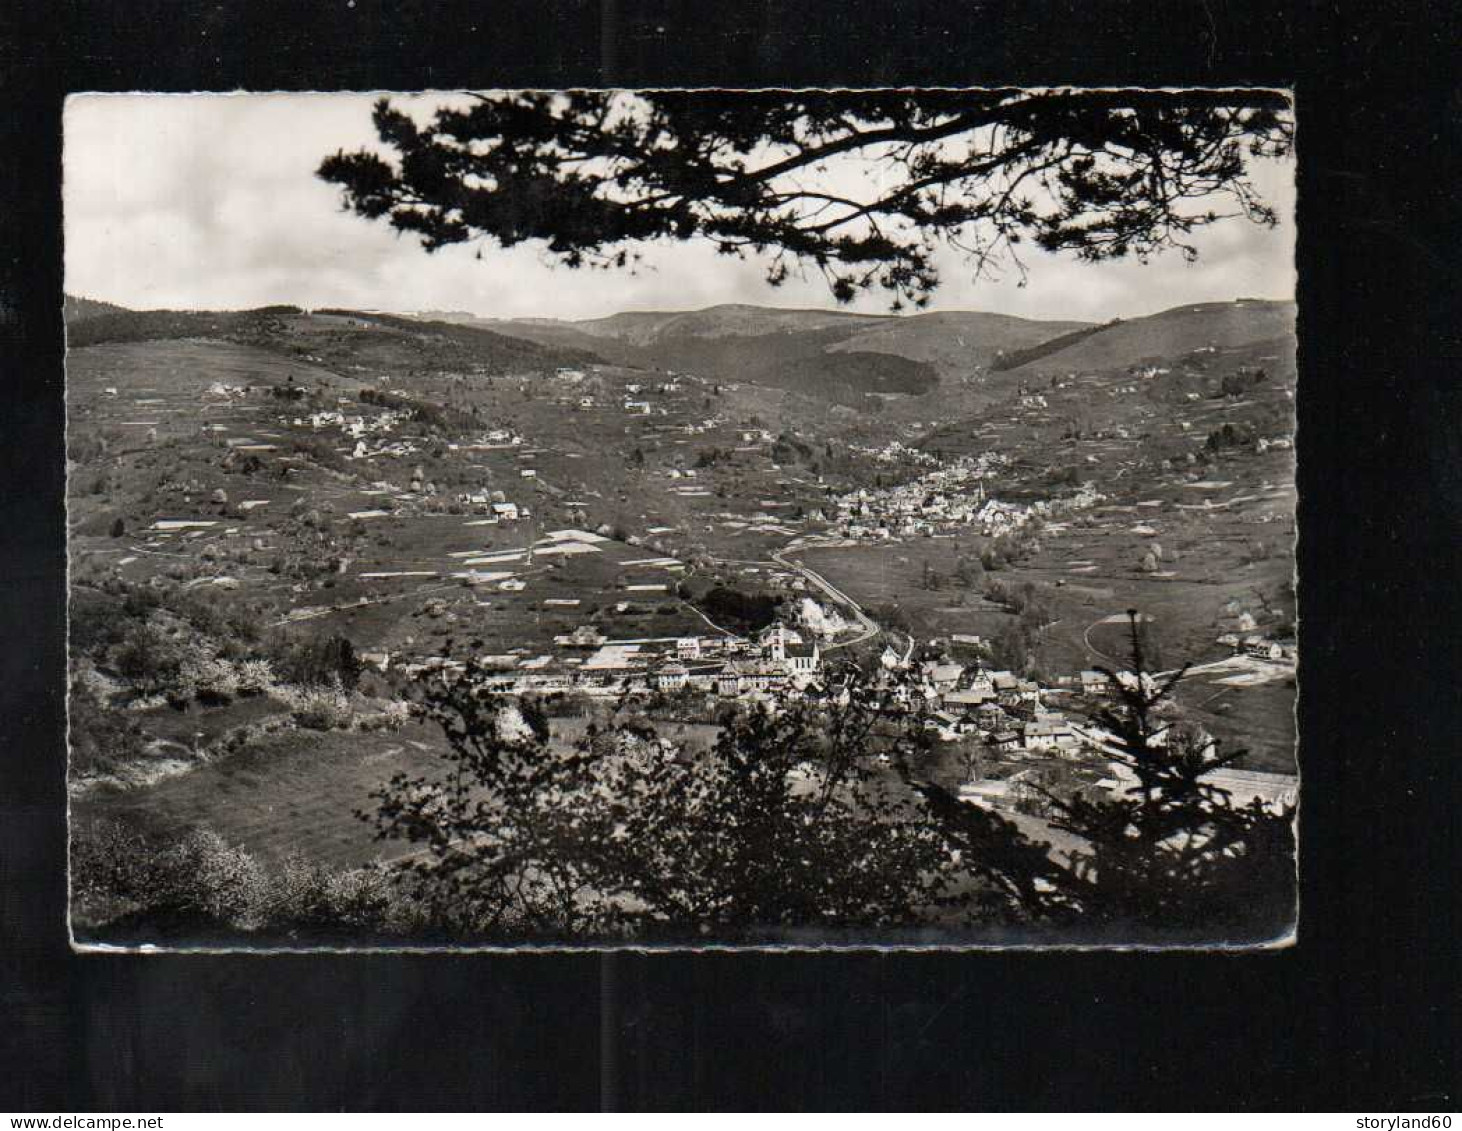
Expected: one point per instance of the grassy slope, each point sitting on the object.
(396, 341)
(956, 341)
(1170, 334)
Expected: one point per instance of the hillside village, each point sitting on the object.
(280, 519)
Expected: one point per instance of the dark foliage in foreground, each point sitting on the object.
(817, 817)
(1171, 852)
(590, 175)
(783, 824)
(814, 822)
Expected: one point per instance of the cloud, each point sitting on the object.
(210, 201)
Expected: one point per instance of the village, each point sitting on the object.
(1015, 731)
(595, 536)
(947, 500)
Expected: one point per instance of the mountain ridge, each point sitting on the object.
(830, 356)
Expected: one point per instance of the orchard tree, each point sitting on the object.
(863, 187)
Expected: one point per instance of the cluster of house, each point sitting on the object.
(1241, 635)
(776, 661)
(1013, 720)
(947, 500)
(494, 503)
(352, 425)
(1009, 713)
(1260, 647)
(998, 706)
(933, 502)
(635, 394)
(896, 452)
(1012, 716)
(996, 518)
(360, 427)
(491, 440)
(394, 449)
(700, 427)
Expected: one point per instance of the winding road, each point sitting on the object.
(868, 626)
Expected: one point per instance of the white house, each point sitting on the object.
(802, 659)
(1052, 733)
(1263, 649)
(671, 677)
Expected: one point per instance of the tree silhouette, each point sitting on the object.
(861, 186)
(822, 813)
(785, 823)
(1170, 854)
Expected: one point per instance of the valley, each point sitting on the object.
(280, 518)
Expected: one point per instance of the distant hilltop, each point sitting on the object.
(74, 308)
(832, 356)
(445, 316)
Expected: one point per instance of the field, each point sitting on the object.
(297, 794)
(280, 484)
(893, 574)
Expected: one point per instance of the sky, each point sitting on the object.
(210, 202)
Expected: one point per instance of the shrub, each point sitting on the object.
(208, 678)
(392, 716)
(319, 708)
(101, 740)
(255, 677)
(149, 658)
(325, 661)
(200, 884)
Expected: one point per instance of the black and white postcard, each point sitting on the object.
(681, 519)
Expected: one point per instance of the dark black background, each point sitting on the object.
(1361, 1015)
